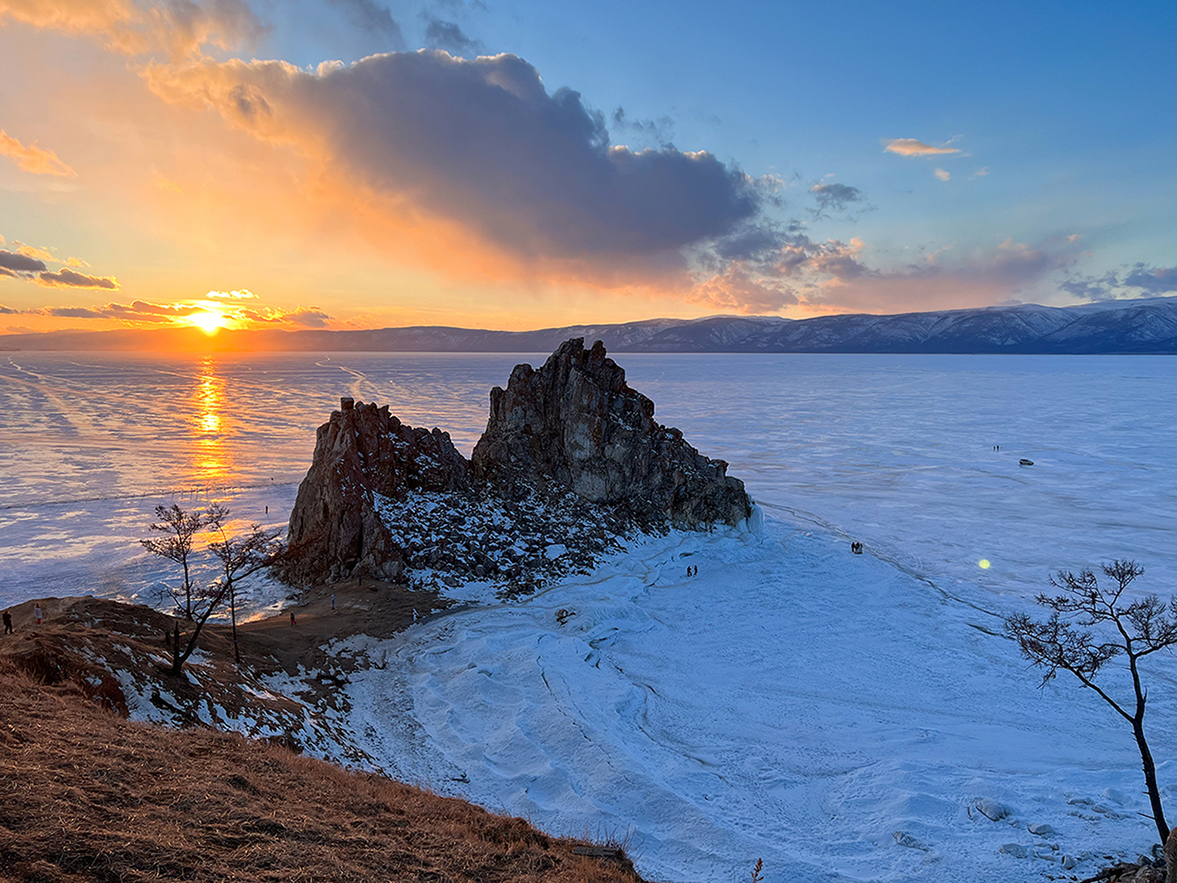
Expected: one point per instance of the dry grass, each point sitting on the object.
(86, 795)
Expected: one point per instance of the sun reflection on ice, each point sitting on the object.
(211, 459)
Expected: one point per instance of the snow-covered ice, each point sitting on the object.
(829, 713)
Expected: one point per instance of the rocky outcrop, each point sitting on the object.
(569, 445)
(363, 451)
(576, 423)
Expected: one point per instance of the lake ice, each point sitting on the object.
(835, 714)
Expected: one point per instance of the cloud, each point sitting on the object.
(241, 294)
(308, 318)
(943, 174)
(67, 278)
(948, 279)
(31, 251)
(176, 28)
(145, 312)
(659, 131)
(1148, 281)
(137, 311)
(737, 290)
(1153, 280)
(980, 173)
(371, 17)
(834, 197)
(482, 145)
(912, 147)
(448, 36)
(33, 159)
(20, 263)
(755, 241)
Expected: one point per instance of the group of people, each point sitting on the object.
(692, 570)
(856, 547)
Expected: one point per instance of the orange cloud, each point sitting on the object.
(737, 290)
(33, 159)
(140, 312)
(177, 29)
(66, 278)
(914, 147)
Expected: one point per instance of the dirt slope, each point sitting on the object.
(86, 795)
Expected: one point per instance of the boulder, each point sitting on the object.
(362, 451)
(576, 424)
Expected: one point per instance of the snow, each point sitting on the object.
(826, 712)
(843, 717)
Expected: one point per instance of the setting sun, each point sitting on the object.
(209, 322)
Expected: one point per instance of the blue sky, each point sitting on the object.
(782, 158)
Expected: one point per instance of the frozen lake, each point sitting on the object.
(897, 451)
(793, 701)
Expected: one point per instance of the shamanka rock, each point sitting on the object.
(569, 450)
(576, 423)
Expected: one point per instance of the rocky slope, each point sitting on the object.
(361, 454)
(571, 459)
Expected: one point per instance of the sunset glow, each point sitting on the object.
(209, 322)
(364, 165)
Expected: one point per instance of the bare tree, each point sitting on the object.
(240, 557)
(237, 557)
(181, 529)
(1091, 625)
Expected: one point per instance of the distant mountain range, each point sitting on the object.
(1135, 326)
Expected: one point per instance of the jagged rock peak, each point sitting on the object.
(363, 450)
(576, 423)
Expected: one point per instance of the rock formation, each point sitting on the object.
(571, 440)
(576, 423)
(335, 530)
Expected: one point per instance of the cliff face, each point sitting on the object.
(572, 426)
(576, 423)
(335, 531)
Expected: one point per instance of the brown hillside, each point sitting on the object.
(88, 796)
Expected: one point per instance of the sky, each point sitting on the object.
(517, 164)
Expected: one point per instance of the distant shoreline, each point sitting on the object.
(1130, 327)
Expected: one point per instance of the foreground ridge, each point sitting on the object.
(90, 796)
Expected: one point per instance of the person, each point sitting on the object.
(37, 612)
(7, 623)
(292, 622)
(332, 600)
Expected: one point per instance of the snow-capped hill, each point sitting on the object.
(1145, 327)
(1133, 326)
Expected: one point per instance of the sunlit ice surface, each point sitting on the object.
(212, 424)
(893, 451)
